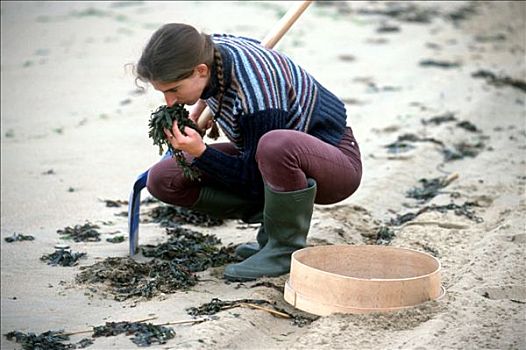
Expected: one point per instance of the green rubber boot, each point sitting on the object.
(286, 218)
(227, 205)
(246, 250)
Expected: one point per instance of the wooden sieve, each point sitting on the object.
(361, 279)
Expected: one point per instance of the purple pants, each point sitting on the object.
(286, 158)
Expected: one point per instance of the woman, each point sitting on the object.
(289, 147)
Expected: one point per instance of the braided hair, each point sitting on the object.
(214, 132)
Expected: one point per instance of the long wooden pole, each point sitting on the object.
(269, 41)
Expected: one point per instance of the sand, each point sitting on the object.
(74, 133)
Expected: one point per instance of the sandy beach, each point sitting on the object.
(432, 90)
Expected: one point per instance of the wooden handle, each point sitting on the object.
(284, 24)
(269, 42)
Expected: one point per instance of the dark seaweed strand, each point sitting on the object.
(216, 305)
(163, 118)
(144, 334)
(62, 257)
(49, 340)
(18, 237)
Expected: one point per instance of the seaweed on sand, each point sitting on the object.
(439, 119)
(49, 340)
(169, 216)
(144, 334)
(81, 233)
(430, 187)
(460, 210)
(187, 252)
(403, 143)
(18, 237)
(62, 257)
(192, 249)
(126, 278)
(462, 150)
(216, 305)
(500, 80)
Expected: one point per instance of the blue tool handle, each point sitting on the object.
(134, 206)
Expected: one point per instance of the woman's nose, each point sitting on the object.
(170, 100)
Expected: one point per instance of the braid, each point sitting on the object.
(214, 132)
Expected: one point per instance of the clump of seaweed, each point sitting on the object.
(192, 249)
(462, 150)
(110, 203)
(399, 147)
(163, 118)
(50, 340)
(18, 237)
(144, 334)
(62, 257)
(502, 80)
(170, 216)
(430, 250)
(430, 187)
(403, 11)
(384, 236)
(415, 138)
(467, 125)
(216, 305)
(439, 119)
(402, 219)
(460, 210)
(126, 278)
(268, 285)
(116, 239)
(81, 233)
(402, 144)
(439, 63)
(117, 203)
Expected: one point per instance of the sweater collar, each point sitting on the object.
(212, 89)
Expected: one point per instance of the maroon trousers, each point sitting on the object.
(286, 158)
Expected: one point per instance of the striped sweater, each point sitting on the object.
(265, 91)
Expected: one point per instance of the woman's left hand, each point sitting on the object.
(191, 143)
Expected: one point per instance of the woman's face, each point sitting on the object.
(186, 91)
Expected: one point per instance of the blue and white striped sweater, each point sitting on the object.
(262, 79)
(265, 91)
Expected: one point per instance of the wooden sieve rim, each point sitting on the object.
(297, 295)
(426, 255)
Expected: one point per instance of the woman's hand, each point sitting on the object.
(191, 143)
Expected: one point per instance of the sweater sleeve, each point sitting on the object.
(241, 172)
